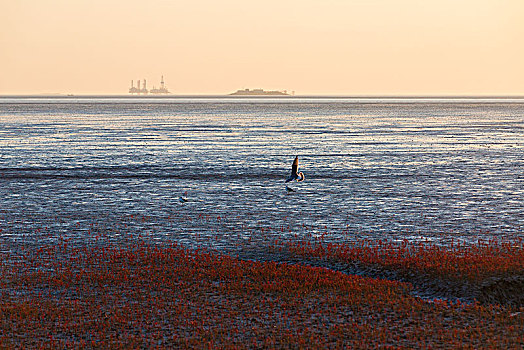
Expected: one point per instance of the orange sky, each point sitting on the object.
(343, 47)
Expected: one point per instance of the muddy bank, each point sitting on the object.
(507, 290)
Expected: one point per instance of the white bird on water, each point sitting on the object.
(183, 198)
(295, 175)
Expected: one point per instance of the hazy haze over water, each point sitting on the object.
(368, 47)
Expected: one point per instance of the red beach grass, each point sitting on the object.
(459, 261)
(140, 295)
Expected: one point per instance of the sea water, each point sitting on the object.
(417, 169)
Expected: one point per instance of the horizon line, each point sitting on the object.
(356, 96)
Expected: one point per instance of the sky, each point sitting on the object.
(328, 47)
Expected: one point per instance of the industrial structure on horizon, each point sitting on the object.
(143, 89)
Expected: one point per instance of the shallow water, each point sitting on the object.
(377, 169)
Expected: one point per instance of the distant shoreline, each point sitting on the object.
(284, 97)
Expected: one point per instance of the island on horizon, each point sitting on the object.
(258, 92)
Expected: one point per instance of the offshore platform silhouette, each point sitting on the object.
(143, 90)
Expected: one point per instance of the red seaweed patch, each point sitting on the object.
(489, 271)
(142, 295)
